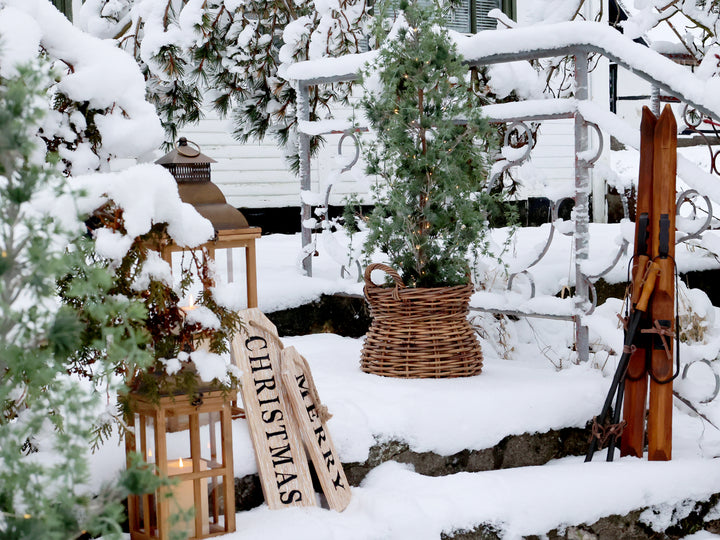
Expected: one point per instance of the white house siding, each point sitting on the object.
(554, 154)
(251, 175)
(256, 175)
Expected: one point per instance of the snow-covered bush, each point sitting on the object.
(61, 363)
(48, 415)
(97, 108)
(96, 112)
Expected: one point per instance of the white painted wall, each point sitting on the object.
(256, 175)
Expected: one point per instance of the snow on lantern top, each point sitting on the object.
(191, 169)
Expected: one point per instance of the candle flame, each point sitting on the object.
(191, 304)
(149, 453)
(181, 463)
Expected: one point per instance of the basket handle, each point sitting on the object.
(388, 270)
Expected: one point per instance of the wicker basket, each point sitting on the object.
(419, 332)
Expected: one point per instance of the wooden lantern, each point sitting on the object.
(188, 439)
(191, 170)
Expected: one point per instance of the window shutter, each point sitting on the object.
(459, 19)
(64, 6)
(482, 7)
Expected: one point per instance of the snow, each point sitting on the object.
(20, 41)
(395, 502)
(148, 194)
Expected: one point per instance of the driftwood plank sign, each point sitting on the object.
(311, 415)
(282, 465)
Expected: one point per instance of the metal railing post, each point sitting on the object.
(304, 149)
(582, 208)
(655, 100)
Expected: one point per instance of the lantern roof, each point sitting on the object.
(185, 152)
(210, 202)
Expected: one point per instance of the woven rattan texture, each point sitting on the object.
(419, 332)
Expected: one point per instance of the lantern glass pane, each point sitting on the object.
(211, 439)
(216, 504)
(183, 509)
(145, 437)
(177, 441)
(183, 260)
(231, 265)
(147, 514)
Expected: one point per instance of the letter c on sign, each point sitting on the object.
(249, 341)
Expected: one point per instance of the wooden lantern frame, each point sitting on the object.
(228, 239)
(148, 514)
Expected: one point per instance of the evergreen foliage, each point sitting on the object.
(161, 331)
(432, 206)
(232, 52)
(46, 425)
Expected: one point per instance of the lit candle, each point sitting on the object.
(184, 494)
(191, 305)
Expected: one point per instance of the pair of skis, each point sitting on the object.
(647, 358)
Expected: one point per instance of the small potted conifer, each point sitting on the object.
(429, 149)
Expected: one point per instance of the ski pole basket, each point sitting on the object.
(419, 332)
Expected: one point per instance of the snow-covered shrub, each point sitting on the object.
(48, 415)
(96, 112)
(696, 315)
(97, 108)
(119, 320)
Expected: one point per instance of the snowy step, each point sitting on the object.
(396, 503)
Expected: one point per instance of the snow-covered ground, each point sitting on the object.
(530, 383)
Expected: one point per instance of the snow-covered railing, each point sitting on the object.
(576, 39)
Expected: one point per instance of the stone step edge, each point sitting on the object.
(525, 450)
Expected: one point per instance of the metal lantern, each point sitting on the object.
(188, 439)
(191, 170)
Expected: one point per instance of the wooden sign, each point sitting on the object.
(311, 416)
(282, 465)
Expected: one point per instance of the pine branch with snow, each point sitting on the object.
(234, 53)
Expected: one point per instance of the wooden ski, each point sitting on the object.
(635, 399)
(663, 301)
(648, 345)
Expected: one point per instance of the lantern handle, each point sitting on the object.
(184, 149)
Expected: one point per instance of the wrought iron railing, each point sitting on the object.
(578, 41)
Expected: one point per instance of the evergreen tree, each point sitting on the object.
(47, 420)
(432, 207)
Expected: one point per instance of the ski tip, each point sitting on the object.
(647, 114)
(667, 116)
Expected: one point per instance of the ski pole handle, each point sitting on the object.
(648, 287)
